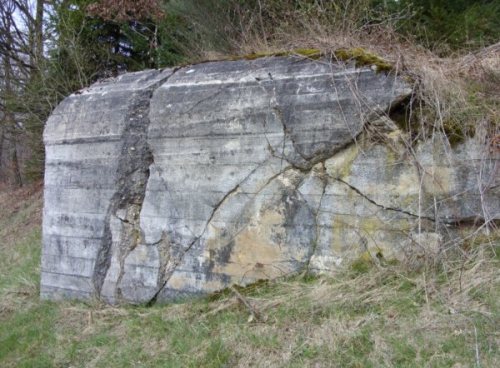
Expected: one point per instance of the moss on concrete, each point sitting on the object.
(361, 57)
(457, 131)
(308, 53)
(363, 263)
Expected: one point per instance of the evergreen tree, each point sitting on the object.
(451, 25)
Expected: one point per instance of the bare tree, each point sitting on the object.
(21, 55)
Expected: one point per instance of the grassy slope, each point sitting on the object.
(371, 316)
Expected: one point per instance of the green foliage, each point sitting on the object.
(451, 25)
(90, 47)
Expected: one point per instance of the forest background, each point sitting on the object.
(52, 48)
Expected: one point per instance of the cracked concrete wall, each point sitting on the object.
(165, 184)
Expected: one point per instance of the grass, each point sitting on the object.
(368, 316)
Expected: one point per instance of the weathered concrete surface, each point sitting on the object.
(162, 184)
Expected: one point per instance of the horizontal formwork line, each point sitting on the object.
(139, 265)
(67, 256)
(80, 187)
(206, 191)
(78, 291)
(45, 233)
(93, 160)
(80, 106)
(73, 213)
(258, 72)
(247, 193)
(173, 190)
(72, 236)
(248, 223)
(246, 113)
(145, 215)
(86, 188)
(203, 160)
(212, 136)
(84, 140)
(220, 136)
(66, 274)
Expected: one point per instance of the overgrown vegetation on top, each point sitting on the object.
(58, 47)
(443, 313)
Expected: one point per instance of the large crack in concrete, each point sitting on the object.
(459, 221)
(126, 203)
(324, 181)
(303, 163)
(168, 266)
(278, 111)
(136, 159)
(171, 265)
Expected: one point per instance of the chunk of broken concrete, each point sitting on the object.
(165, 184)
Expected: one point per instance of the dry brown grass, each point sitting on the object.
(20, 209)
(309, 323)
(457, 95)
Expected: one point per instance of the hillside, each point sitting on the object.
(444, 313)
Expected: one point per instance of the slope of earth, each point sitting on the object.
(443, 314)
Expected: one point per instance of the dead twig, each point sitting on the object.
(228, 304)
(255, 315)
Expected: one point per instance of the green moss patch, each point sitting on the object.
(361, 57)
(307, 53)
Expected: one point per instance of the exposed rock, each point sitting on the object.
(164, 184)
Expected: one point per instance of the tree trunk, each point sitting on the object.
(9, 122)
(1, 151)
(35, 38)
(18, 179)
(38, 47)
